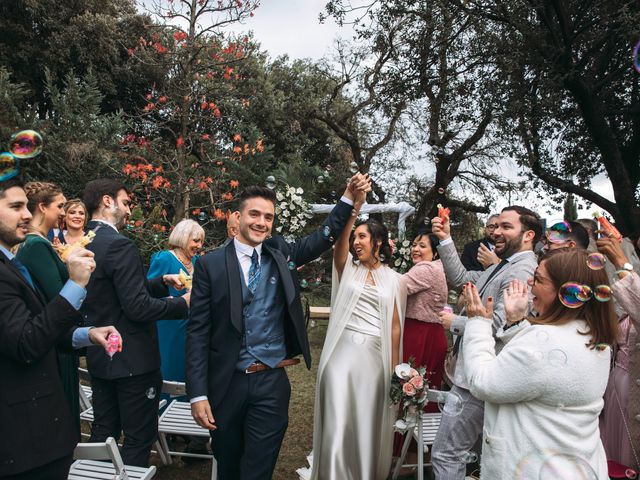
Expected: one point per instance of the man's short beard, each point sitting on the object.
(9, 237)
(511, 247)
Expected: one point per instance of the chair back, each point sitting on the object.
(107, 450)
(174, 389)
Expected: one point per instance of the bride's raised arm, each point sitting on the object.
(357, 190)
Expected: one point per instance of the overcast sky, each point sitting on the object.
(292, 27)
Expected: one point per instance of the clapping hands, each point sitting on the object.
(516, 301)
(474, 306)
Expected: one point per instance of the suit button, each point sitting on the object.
(456, 330)
(486, 440)
(55, 419)
(248, 331)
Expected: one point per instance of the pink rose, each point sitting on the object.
(417, 382)
(409, 389)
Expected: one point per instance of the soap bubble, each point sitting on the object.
(557, 358)
(9, 166)
(596, 261)
(270, 182)
(602, 293)
(25, 144)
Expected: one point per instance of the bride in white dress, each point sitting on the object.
(353, 418)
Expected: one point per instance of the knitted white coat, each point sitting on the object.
(543, 394)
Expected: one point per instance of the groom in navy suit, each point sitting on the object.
(246, 324)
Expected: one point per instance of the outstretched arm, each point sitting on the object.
(357, 188)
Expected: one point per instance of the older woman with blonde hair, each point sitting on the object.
(185, 242)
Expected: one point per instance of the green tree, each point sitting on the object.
(570, 94)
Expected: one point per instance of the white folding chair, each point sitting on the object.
(85, 390)
(88, 464)
(423, 430)
(177, 420)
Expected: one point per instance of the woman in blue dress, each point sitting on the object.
(185, 242)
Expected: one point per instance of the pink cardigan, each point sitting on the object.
(426, 291)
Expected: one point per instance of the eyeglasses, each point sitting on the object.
(492, 226)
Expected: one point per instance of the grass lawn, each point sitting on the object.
(297, 441)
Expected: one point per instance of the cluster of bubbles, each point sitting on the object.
(453, 404)
(23, 144)
(574, 295)
(636, 60)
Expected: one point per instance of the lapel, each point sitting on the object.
(285, 275)
(18, 274)
(235, 286)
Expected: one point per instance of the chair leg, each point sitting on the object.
(163, 442)
(161, 452)
(214, 469)
(403, 454)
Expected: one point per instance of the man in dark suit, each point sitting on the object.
(469, 257)
(246, 324)
(38, 433)
(126, 388)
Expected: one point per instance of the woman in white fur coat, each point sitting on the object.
(543, 392)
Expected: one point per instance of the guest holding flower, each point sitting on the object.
(424, 337)
(543, 391)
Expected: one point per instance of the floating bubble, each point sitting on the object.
(291, 265)
(25, 144)
(636, 61)
(538, 356)
(9, 166)
(318, 281)
(150, 393)
(272, 280)
(622, 273)
(572, 294)
(441, 190)
(585, 294)
(602, 293)
(353, 167)
(631, 474)
(427, 220)
(469, 457)
(270, 182)
(320, 179)
(566, 467)
(326, 231)
(334, 195)
(202, 216)
(304, 283)
(602, 349)
(453, 405)
(596, 261)
(557, 358)
(542, 336)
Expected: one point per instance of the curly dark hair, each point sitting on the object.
(378, 233)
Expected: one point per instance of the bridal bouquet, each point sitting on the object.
(292, 212)
(409, 387)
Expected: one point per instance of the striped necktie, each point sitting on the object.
(254, 272)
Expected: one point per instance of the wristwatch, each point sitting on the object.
(627, 266)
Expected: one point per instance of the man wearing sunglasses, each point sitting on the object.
(565, 235)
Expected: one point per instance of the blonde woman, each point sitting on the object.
(75, 220)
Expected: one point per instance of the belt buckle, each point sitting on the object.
(248, 369)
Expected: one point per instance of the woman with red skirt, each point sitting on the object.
(424, 337)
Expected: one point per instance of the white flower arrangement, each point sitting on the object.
(292, 212)
(402, 255)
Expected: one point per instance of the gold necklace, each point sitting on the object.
(187, 264)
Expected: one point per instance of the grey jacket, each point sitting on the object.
(521, 266)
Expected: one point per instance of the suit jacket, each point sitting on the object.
(469, 257)
(214, 331)
(35, 421)
(119, 294)
(521, 267)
